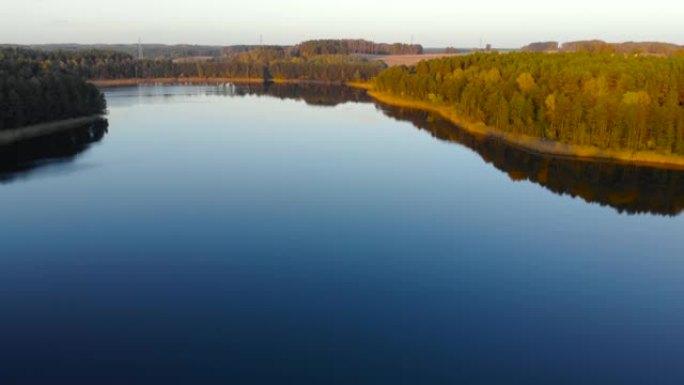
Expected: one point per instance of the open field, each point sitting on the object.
(409, 60)
(193, 59)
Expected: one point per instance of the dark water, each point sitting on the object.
(304, 235)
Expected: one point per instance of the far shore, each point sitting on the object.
(531, 144)
(136, 81)
(410, 59)
(29, 132)
(195, 80)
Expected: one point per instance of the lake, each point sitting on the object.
(291, 234)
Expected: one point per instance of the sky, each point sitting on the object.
(433, 23)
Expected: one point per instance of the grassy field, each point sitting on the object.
(409, 60)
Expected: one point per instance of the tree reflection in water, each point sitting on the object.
(630, 189)
(325, 95)
(627, 188)
(20, 158)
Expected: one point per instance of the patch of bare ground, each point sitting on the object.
(193, 59)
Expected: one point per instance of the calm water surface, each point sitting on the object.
(302, 235)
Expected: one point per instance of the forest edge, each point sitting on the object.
(530, 144)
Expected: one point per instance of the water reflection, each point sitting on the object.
(20, 158)
(627, 188)
(311, 94)
(324, 95)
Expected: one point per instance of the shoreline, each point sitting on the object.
(138, 81)
(195, 80)
(531, 144)
(19, 134)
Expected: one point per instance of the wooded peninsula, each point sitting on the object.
(35, 90)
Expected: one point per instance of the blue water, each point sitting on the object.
(224, 236)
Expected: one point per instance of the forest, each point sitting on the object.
(262, 63)
(152, 51)
(304, 49)
(349, 47)
(35, 89)
(606, 101)
(267, 63)
(319, 60)
(43, 86)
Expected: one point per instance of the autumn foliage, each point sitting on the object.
(605, 101)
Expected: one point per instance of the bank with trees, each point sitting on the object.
(617, 105)
(35, 89)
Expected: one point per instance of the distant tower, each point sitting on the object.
(139, 72)
(411, 39)
(140, 50)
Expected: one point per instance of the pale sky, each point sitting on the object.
(433, 23)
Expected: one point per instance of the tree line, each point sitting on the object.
(267, 63)
(150, 50)
(602, 100)
(34, 89)
(307, 48)
(321, 60)
(42, 86)
(599, 46)
(349, 47)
